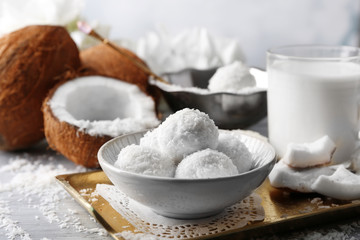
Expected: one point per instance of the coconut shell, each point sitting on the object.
(33, 59)
(105, 61)
(75, 145)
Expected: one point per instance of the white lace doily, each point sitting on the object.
(148, 222)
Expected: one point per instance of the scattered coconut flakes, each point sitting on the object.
(92, 200)
(317, 201)
(307, 209)
(90, 194)
(71, 211)
(13, 230)
(94, 197)
(85, 192)
(128, 235)
(34, 178)
(324, 207)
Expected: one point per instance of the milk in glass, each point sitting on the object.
(310, 99)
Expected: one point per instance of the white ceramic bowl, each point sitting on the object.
(187, 198)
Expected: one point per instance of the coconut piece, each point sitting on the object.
(183, 133)
(343, 185)
(82, 114)
(33, 60)
(102, 60)
(144, 160)
(311, 154)
(284, 176)
(206, 163)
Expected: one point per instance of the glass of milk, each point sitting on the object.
(314, 91)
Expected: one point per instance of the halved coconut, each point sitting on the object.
(82, 114)
(33, 60)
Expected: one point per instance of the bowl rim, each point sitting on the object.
(187, 69)
(153, 82)
(242, 94)
(103, 161)
(204, 69)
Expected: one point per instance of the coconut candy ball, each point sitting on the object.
(235, 149)
(144, 160)
(231, 78)
(206, 163)
(183, 133)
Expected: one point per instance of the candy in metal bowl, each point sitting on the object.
(187, 198)
(228, 110)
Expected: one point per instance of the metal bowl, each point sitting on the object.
(228, 110)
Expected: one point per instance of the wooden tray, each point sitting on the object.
(284, 210)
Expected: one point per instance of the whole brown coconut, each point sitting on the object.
(105, 61)
(33, 59)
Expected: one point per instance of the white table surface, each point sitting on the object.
(19, 210)
(25, 214)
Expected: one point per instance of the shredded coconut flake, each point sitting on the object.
(13, 230)
(33, 180)
(317, 201)
(128, 235)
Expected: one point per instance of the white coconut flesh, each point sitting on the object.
(103, 106)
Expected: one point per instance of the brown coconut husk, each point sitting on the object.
(33, 59)
(69, 140)
(105, 61)
(75, 145)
